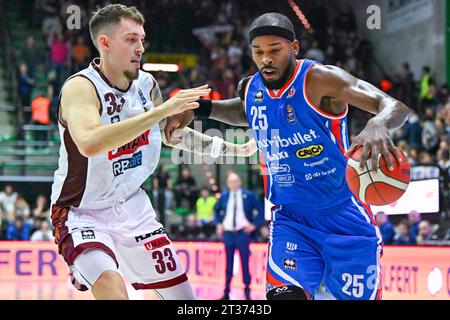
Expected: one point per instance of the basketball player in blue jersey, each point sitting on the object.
(297, 111)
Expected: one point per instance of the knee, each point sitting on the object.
(288, 293)
(110, 286)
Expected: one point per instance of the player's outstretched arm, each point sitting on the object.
(331, 81)
(80, 113)
(193, 141)
(229, 111)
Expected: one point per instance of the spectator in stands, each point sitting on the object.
(205, 212)
(26, 84)
(40, 208)
(412, 131)
(40, 211)
(413, 156)
(315, 53)
(443, 159)
(430, 132)
(30, 56)
(414, 218)
(44, 233)
(40, 114)
(404, 236)
(162, 182)
(7, 201)
(205, 207)
(22, 210)
(425, 233)
(18, 230)
(53, 89)
(406, 84)
(443, 94)
(51, 23)
(185, 190)
(59, 54)
(426, 95)
(80, 55)
(386, 229)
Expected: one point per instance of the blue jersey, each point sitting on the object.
(302, 146)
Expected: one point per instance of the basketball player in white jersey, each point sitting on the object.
(109, 116)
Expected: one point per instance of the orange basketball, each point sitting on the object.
(381, 188)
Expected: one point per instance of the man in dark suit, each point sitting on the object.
(238, 215)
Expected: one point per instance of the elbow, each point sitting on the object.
(88, 149)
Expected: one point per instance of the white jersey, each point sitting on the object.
(108, 178)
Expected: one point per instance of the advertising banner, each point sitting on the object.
(408, 272)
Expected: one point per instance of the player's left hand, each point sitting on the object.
(177, 121)
(375, 139)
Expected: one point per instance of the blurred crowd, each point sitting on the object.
(411, 231)
(23, 220)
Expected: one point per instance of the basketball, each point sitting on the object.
(381, 188)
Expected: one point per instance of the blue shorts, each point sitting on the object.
(340, 246)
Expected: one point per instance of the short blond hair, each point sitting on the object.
(112, 14)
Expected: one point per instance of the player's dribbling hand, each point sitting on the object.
(375, 139)
(185, 100)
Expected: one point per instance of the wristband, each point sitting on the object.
(216, 147)
(204, 111)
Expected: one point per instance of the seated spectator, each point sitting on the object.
(22, 210)
(425, 233)
(404, 236)
(18, 230)
(7, 201)
(44, 233)
(414, 219)
(40, 211)
(386, 228)
(40, 207)
(443, 158)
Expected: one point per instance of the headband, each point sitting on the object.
(271, 31)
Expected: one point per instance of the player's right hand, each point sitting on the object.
(185, 100)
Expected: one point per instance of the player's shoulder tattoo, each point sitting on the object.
(155, 92)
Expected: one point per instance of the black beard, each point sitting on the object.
(278, 84)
